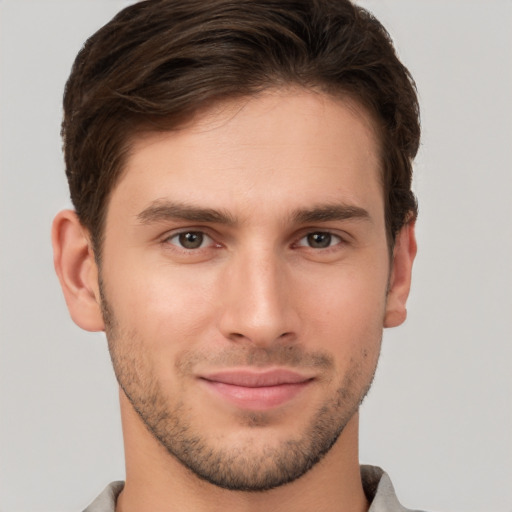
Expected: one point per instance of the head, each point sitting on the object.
(241, 175)
(158, 62)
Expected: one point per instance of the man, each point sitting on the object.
(243, 231)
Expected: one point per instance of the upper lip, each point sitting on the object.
(256, 379)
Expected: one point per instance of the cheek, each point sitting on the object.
(158, 317)
(345, 312)
(165, 306)
(172, 308)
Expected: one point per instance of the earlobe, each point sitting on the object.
(400, 278)
(76, 268)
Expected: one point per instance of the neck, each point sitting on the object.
(156, 481)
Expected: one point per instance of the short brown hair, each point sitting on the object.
(158, 61)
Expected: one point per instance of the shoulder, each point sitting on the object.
(380, 491)
(106, 501)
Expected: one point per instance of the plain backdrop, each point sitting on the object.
(439, 417)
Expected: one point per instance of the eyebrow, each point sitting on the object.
(330, 212)
(164, 210)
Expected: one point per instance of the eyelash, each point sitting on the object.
(205, 237)
(328, 234)
(194, 232)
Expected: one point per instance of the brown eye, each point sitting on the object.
(190, 240)
(319, 240)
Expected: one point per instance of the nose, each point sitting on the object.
(258, 303)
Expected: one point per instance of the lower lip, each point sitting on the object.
(257, 398)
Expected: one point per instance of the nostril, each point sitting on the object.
(264, 340)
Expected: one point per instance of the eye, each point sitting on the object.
(319, 240)
(190, 240)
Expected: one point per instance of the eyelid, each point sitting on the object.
(342, 236)
(168, 236)
(337, 239)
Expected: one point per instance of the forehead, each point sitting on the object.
(298, 145)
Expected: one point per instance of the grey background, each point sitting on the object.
(439, 418)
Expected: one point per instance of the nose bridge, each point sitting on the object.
(257, 302)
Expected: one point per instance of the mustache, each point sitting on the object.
(293, 356)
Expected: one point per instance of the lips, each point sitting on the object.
(256, 390)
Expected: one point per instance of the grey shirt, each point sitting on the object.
(376, 483)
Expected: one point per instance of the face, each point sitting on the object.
(243, 281)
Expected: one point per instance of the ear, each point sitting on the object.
(76, 268)
(400, 277)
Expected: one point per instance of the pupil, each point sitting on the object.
(191, 240)
(319, 240)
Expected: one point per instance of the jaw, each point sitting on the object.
(153, 478)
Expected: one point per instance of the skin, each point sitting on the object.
(286, 267)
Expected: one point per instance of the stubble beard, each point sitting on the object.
(231, 467)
